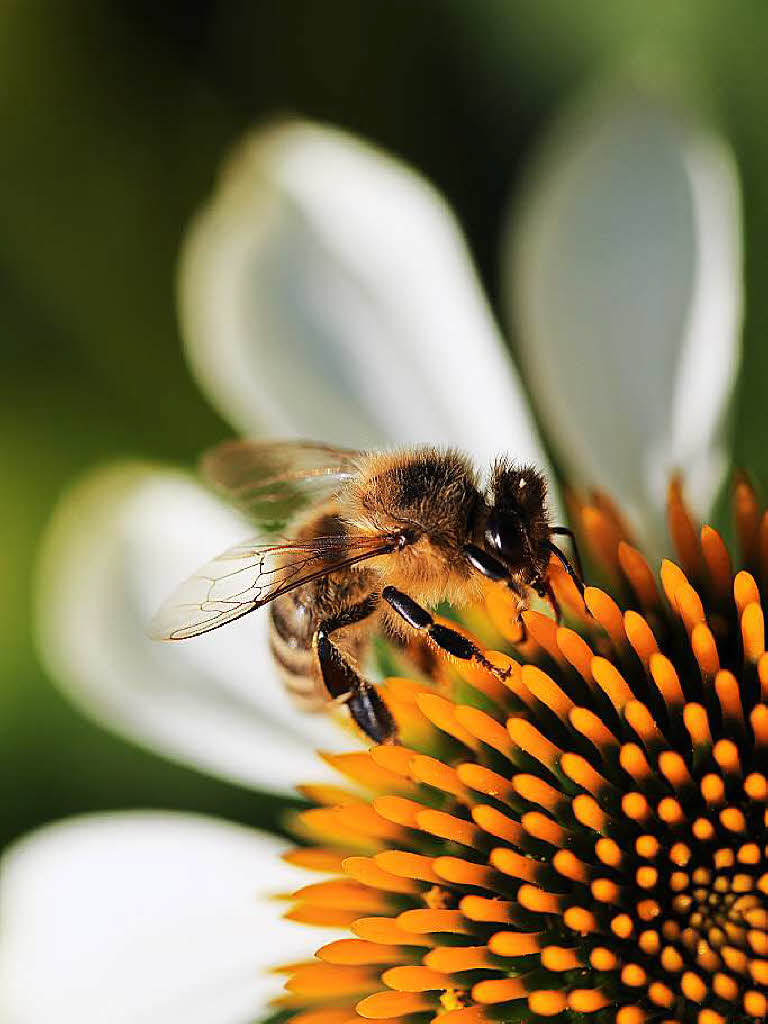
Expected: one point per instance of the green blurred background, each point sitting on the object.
(115, 116)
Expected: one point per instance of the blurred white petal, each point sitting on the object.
(327, 292)
(623, 272)
(144, 917)
(119, 542)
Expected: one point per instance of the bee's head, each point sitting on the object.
(517, 527)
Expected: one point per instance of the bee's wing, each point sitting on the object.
(270, 481)
(248, 576)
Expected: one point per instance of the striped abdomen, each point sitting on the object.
(295, 617)
(292, 623)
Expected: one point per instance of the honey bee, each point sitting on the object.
(374, 536)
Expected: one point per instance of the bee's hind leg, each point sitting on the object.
(368, 709)
(447, 639)
(344, 683)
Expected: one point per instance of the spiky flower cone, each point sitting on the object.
(586, 840)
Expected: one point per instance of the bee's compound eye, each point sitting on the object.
(503, 535)
(404, 538)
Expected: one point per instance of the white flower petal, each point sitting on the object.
(144, 917)
(120, 541)
(327, 292)
(624, 276)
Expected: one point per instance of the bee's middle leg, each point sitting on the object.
(447, 639)
(342, 680)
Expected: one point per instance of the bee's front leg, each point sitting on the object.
(495, 571)
(544, 590)
(447, 639)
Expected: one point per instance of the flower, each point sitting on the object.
(326, 292)
(589, 835)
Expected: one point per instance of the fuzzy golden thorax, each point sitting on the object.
(431, 495)
(427, 492)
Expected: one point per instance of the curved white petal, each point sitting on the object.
(623, 272)
(119, 542)
(326, 292)
(144, 917)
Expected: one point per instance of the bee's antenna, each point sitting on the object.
(567, 566)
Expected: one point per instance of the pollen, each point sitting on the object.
(586, 840)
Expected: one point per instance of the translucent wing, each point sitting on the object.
(270, 481)
(248, 576)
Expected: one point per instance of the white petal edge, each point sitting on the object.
(121, 539)
(623, 274)
(326, 292)
(142, 917)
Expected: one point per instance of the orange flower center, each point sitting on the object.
(589, 836)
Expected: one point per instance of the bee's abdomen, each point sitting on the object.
(291, 627)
